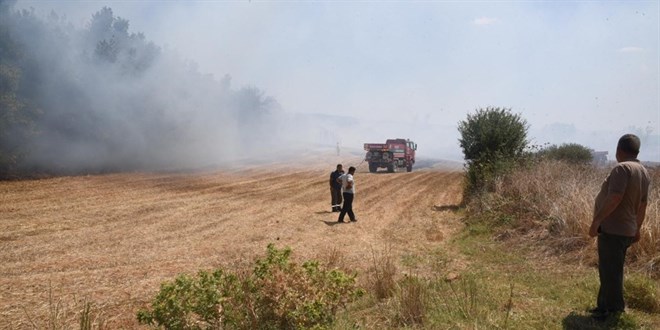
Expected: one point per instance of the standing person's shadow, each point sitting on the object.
(575, 321)
(333, 223)
(329, 223)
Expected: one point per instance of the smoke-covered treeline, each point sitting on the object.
(104, 98)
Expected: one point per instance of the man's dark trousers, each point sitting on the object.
(335, 194)
(347, 208)
(611, 257)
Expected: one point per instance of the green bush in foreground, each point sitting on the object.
(278, 294)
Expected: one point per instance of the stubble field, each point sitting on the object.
(112, 239)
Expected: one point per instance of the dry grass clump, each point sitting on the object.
(647, 250)
(382, 275)
(558, 199)
(60, 312)
(411, 301)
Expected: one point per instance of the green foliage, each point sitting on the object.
(568, 152)
(201, 302)
(642, 293)
(493, 140)
(493, 133)
(278, 294)
(16, 123)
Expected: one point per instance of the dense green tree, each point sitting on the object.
(492, 139)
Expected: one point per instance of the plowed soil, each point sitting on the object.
(112, 239)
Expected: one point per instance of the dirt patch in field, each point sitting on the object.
(112, 239)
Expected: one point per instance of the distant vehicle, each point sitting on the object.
(393, 154)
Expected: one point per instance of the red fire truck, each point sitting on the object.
(393, 154)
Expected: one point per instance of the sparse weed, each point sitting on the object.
(62, 313)
(464, 296)
(334, 258)
(90, 316)
(411, 301)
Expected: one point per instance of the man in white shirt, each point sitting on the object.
(348, 192)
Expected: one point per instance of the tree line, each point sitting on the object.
(102, 98)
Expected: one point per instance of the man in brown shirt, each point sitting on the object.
(619, 213)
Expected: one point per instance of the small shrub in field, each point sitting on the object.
(642, 293)
(278, 294)
(568, 152)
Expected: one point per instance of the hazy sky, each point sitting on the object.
(569, 66)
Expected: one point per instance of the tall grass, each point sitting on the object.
(64, 313)
(557, 199)
(411, 301)
(382, 274)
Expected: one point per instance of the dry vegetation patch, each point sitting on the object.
(113, 239)
(550, 205)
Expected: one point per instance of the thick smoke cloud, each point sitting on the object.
(95, 95)
(106, 98)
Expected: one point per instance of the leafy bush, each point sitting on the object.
(568, 152)
(278, 294)
(205, 301)
(493, 139)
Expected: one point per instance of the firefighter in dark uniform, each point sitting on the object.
(335, 189)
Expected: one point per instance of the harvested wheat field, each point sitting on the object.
(112, 239)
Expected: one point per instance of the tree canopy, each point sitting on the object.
(492, 133)
(492, 140)
(104, 98)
